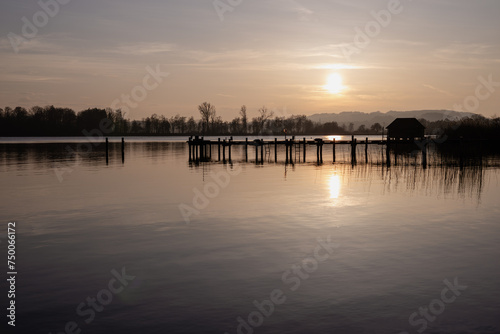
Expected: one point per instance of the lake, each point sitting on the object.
(158, 244)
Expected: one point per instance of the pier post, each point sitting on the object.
(366, 150)
(353, 149)
(123, 150)
(246, 149)
(333, 144)
(256, 151)
(304, 148)
(424, 153)
(196, 144)
(382, 157)
(107, 151)
(321, 151)
(224, 151)
(196, 148)
(388, 152)
(218, 147)
(275, 149)
(262, 151)
(193, 148)
(229, 148)
(317, 151)
(286, 150)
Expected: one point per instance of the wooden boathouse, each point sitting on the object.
(405, 129)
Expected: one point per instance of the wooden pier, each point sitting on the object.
(123, 150)
(201, 149)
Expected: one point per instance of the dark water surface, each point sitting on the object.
(160, 245)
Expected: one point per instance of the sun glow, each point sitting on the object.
(334, 84)
(334, 137)
(334, 186)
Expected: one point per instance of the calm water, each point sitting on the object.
(205, 247)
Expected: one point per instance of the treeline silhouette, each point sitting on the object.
(474, 127)
(54, 121)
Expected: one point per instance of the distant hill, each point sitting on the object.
(367, 119)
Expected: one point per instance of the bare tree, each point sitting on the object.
(207, 112)
(264, 115)
(244, 119)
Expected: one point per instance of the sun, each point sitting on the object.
(334, 84)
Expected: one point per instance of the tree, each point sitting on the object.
(90, 119)
(164, 126)
(244, 119)
(179, 123)
(147, 125)
(351, 127)
(155, 124)
(235, 126)
(264, 115)
(277, 125)
(376, 127)
(331, 128)
(191, 125)
(120, 123)
(207, 112)
(362, 129)
(136, 127)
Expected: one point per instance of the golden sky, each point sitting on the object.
(295, 57)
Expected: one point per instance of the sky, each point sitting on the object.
(294, 57)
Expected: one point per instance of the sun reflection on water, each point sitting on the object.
(334, 137)
(335, 186)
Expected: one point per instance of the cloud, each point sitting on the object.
(458, 50)
(39, 45)
(142, 49)
(225, 95)
(438, 90)
(303, 13)
(340, 66)
(406, 42)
